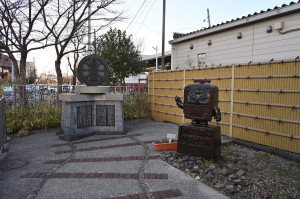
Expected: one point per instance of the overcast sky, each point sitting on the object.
(181, 16)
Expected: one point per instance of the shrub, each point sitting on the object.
(41, 115)
(136, 106)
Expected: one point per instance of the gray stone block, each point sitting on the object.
(119, 127)
(112, 128)
(104, 128)
(92, 89)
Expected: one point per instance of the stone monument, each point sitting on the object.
(200, 104)
(91, 109)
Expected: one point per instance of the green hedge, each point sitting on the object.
(136, 106)
(42, 115)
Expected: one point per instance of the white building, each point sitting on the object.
(272, 34)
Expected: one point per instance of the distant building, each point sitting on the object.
(5, 66)
(151, 61)
(138, 79)
(30, 69)
(268, 35)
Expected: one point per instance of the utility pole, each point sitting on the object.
(89, 28)
(95, 44)
(208, 17)
(163, 36)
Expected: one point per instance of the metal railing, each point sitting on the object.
(47, 92)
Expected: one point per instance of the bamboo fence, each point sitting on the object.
(259, 102)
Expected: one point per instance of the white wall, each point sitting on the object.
(256, 45)
(135, 79)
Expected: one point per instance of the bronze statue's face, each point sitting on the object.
(200, 96)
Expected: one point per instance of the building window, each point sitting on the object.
(201, 60)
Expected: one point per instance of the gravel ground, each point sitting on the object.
(242, 172)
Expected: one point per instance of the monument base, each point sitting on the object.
(85, 114)
(199, 140)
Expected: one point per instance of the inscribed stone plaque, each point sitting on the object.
(105, 115)
(199, 140)
(84, 116)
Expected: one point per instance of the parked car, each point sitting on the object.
(29, 89)
(66, 89)
(7, 90)
(53, 89)
(36, 89)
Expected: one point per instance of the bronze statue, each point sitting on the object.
(200, 102)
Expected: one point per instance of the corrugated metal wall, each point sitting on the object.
(260, 104)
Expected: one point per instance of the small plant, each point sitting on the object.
(206, 162)
(3, 83)
(41, 115)
(136, 106)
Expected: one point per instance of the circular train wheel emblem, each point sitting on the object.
(92, 70)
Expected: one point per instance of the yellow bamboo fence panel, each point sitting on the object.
(265, 101)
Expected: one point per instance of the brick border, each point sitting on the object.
(153, 176)
(95, 140)
(173, 193)
(104, 159)
(102, 147)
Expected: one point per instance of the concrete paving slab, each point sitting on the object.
(38, 148)
(87, 188)
(104, 142)
(113, 152)
(102, 167)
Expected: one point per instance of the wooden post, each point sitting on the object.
(183, 85)
(231, 101)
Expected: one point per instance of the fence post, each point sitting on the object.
(231, 101)
(153, 93)
(182, 120)
(14, 95)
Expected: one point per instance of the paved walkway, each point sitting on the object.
(101, 166)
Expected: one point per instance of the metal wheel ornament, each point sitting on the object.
(92, 70)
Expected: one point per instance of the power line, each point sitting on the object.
(136, 14)
(146, 16)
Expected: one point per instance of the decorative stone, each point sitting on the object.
(240, 172)
(92, 110)
(219, 185)
(223, 171)
(232, 176)
(92, 70)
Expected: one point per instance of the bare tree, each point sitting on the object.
(66, 18)
(21, 30)
(77, 42)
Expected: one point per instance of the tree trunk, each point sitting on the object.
(59, 80)
(22, 80)
(74, 76)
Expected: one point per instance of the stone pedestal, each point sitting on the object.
(86, 114)
(199, 140)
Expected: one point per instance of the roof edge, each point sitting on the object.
(281, 11)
